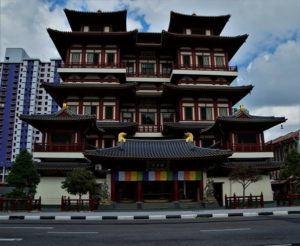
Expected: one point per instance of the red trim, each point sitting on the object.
(117, 108)
(196, 111)
(80, 106)
(139, 191)
(100, 110)
(175, 190)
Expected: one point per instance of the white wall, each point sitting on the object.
(230, 187)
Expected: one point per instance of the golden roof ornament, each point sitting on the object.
(243, 109)
(121, 137)
(65, 105)
(189, 137)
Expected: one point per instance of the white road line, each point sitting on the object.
(234, 229)
(27, 227)
(73, 232)
(10, 239)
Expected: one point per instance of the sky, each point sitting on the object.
(269, 59)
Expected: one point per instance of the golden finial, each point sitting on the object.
(121, 137)
(242, 108)
(189, 137)
(193, 13)
(65, 105)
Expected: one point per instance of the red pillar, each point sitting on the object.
(113, 190)
(175, 188)
(201, 189)
(139, 191)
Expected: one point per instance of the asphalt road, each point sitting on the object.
(264, 230)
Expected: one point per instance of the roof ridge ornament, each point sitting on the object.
(121, 137)
(189, 137)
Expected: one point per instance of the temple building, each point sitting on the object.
(150, 113)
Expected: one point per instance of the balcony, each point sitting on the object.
(250, 148)
(92, 65)
(149, 128)
(39, 147)
(206, 67)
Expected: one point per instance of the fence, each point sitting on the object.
(27, 204)
(68, 204)
(287, 199)
(244, 201)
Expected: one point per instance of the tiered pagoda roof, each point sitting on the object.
(63, 117)
(78, 18)
(242, 120)
(179, 21)
(61, 91)
(234, 93)
(176, 149)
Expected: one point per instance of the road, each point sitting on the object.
(264, 230)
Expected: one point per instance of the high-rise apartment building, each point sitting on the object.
(21, 93)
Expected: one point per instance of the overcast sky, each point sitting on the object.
(269, 60)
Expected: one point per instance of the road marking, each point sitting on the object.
(188, 216)
(27, 227)
(10, 239)
(32, 217)
(234, 229)
(62, 217)
(4, 217)
(93, 217)
(73, 232)
(249, 214)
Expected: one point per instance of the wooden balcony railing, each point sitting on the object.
(92, 80)
(92, 65)
(39, 147)
(244, 201)
(150, 128)
(206, 67)
(250, 148)
(148, 74)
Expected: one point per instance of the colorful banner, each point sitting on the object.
(157, 175)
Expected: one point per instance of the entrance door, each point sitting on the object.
(218, 193)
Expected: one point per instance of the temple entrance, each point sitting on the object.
(188, 190)
(160, 191)
(126, 191)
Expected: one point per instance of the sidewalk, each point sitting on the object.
(149, 215)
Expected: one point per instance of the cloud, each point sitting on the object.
(275, 77)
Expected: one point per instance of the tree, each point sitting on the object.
(245, 175)
(291, 167)
(79, 182)
(23, 175)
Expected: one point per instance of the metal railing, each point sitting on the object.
(17, 204)
(68, 204)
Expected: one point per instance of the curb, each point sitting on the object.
(145, 217)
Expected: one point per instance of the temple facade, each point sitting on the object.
(151, 114)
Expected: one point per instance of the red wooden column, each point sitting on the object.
(175, 189)
(139, 191)
(201, 188)
(112, 189)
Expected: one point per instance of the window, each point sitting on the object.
(206, 113)
(203, 60)
(223, 111)
(75, 57)
(168, 117)
(148, 118)
(73, 108)
(109, 112)
(205, 143)
(62, 138)
(130, 67)
(110, 58)
(92, 58)
(90, 110)
(188, 113)
(200, 31)
(127, 116)
(186, 59)
(166, 68)
(147, 68)
(246, 138)
(108, 143)
(220, 61)
(96, 28)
